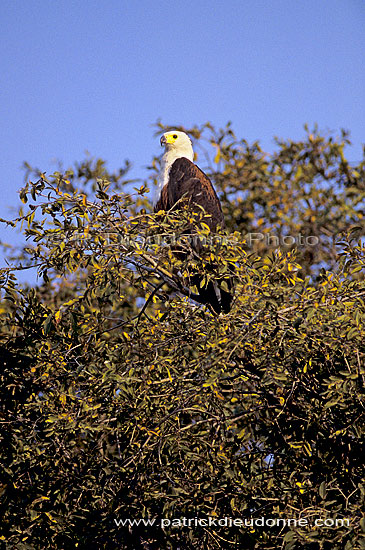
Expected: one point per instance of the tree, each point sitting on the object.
(123, 398)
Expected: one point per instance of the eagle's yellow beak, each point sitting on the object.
(168, 138)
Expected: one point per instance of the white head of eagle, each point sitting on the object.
(181, 179)
(177, 145)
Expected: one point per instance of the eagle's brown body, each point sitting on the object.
(186, 181)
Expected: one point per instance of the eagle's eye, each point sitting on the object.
(175, 136)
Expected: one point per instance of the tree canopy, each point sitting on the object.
(123, 398)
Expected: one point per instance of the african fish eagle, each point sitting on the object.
(180, 177)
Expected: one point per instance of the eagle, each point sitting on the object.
(181, 179)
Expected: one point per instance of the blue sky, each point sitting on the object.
(96, 75)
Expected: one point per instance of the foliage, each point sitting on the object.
(124, 398)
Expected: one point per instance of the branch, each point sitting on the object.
(157, 288)
(167, 278)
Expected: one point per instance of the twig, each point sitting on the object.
(157, 288)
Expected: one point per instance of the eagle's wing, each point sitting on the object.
(187, 180)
